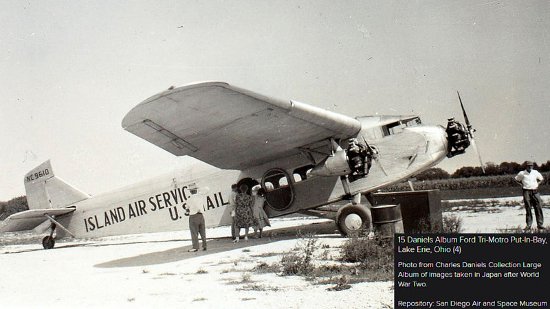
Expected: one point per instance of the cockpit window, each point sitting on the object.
(398, 126)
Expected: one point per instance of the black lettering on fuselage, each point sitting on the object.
(91, 223)
(86, 225)
(174, 213)
(216, 198)
(131, 212)
(183, 191)
(209, 204)
(97, 223)
(221, 199)
(152, 202)
(137, 209)
(107, 221)
(174, 194)
(166, 197)
(121, 214)
(141, 205)
(157, 198)
(114, 215)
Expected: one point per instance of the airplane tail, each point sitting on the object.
(44, 190)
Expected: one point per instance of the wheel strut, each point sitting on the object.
(48, 242)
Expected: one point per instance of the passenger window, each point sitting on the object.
(301, 173)
(274, 179)
(269, 186)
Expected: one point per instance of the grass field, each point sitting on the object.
(472, 188)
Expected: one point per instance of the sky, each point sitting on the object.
(71, 70)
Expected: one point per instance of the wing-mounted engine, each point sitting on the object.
(354, 162)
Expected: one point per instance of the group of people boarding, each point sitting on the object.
(247, 211)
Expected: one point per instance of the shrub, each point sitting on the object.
(300, 262)
(452, 224)
(341, 285)
(370, 253)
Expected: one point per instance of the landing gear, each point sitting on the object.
(353, 220)
(48, 242)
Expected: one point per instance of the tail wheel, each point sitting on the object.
(353, 219)
(48, 242)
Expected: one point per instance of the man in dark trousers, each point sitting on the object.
(529, 179)
(196, 218)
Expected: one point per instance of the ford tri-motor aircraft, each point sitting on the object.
(304, 157)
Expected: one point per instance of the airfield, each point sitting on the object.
(155, 270)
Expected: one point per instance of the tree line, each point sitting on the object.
(13, 206)
(491, 169)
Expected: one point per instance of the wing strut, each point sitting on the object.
(59, 225)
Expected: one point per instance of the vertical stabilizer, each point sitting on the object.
(45, 190)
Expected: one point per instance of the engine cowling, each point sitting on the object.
(335, 165)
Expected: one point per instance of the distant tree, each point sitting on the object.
(524, 165)
(468, 171)
(433, 173)
(509, 168)
(492, 169)
(545, 167)
(14, 205)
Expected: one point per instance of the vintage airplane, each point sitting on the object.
(297, 152)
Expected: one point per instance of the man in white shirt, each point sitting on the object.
(529, 179)
(196, 219)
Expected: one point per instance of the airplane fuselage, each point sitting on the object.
(159, 204)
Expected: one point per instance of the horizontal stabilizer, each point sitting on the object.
(29, 219)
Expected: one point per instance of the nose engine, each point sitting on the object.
(458, 137)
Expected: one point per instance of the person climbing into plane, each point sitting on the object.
(260, 217)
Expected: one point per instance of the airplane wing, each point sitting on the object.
(230, 127)
(29, 219)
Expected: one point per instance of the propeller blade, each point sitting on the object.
(377, 159)
(376, 155)
(471, 131)
(473, 142)
(463, 111)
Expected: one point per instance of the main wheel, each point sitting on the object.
(48, 242)
(353, 219)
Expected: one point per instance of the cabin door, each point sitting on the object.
(278, 188)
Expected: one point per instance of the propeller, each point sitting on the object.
(375, 155)
(471, 131)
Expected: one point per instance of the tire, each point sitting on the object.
(48, 242)
(353, 220)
